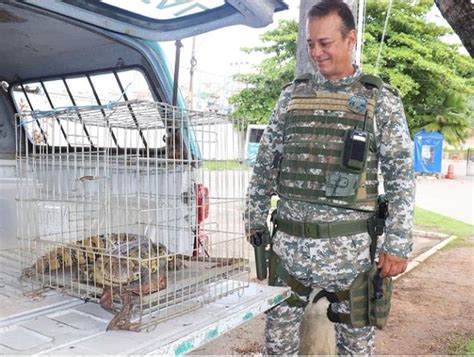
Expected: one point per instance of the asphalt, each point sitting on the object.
(450, 197)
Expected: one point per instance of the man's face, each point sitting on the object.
(330, 51)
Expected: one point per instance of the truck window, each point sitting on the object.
(255, 135)
(166, 9)
(87, 90)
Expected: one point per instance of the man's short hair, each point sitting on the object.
(326, 7)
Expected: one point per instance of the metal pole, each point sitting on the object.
(178, 45)
(191, 75)
(360, 32)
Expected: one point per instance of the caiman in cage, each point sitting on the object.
(130, 205)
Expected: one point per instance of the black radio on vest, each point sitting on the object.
(355, 149)
(356, 144)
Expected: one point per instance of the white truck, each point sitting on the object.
(95, 142)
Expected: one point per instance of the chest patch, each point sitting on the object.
(357, 104)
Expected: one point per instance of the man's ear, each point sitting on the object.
(351, 40)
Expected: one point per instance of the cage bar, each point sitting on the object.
(138, 207)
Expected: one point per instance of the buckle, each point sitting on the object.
(311, 230)
(316, 230)
(304, 232)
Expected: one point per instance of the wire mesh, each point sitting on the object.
(139, 207)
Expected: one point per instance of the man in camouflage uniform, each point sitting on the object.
(333, 263)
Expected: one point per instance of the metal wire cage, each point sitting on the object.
(136, 205)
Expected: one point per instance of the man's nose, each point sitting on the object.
(315, 51)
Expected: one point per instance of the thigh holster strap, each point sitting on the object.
(298, 289)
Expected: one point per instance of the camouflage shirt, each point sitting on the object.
(395, 162)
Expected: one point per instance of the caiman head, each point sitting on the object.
(132, 261)
(128, 263)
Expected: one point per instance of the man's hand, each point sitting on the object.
(255, 232)
(391, 265)
(250, 234)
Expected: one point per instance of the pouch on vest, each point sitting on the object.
(346, 181)
(342, 184)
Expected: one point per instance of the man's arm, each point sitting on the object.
(263, 183)
(395, 154)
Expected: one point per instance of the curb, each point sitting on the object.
(429, 234)
(423, 256)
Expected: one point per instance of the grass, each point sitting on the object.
(462, 346)
(430, 221)
(220, 165)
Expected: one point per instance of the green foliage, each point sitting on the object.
(462, 346)
(255, 103)
(450, 117)
(434, 80)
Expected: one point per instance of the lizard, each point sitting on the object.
(115, 258)
(81, 252)
(115, 261)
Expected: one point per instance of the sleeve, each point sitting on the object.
(396, 166)
(263, 182)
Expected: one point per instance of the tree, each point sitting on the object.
(255, 103)
(434, 79)
(426, 71)
(450, 117)
(459, 14)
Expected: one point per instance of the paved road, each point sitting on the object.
(450, 197)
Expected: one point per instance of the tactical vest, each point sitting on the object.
(315, 127)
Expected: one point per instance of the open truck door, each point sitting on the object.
(102, 174)
(165, 20)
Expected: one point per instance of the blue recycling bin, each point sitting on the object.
(428, 152)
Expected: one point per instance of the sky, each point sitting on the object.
(219, 57)
(219, 53)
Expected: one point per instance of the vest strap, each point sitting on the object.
(322, 230)
(371, 164)
(331, 107)
(304, 176)
(371, 192)
(354, 121)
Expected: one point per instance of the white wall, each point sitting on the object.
(220, 141)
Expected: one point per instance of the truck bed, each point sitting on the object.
(54, 323)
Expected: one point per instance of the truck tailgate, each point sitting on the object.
(53, 323)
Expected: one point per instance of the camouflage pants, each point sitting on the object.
(330, 264)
